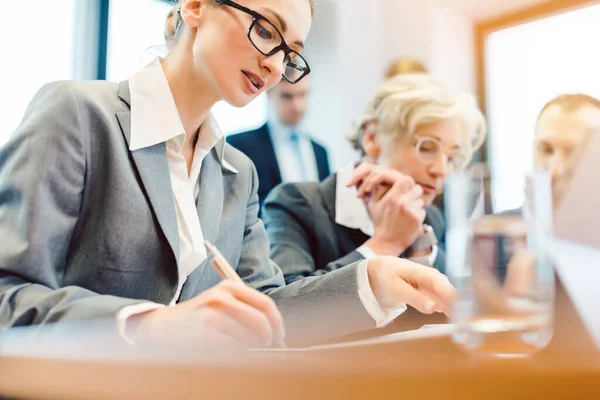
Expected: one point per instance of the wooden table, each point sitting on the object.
(432, 368)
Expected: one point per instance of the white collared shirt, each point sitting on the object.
(291, 168)
(155, 119)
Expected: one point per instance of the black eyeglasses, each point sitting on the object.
(268, 40)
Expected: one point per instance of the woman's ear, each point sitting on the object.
(370, 141)
(192, 10)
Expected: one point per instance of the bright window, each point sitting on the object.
(135, 35)
(526, 66)
(40, 41)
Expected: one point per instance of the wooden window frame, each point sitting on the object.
(486, 27)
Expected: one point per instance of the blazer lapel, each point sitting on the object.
(210, 211)
(268, 152)
(153, 168)
(321, 158)
(210, 197)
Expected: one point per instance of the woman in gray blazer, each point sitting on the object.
(414, 134)
(108, 191)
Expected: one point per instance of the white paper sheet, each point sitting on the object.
(577, 216)
(578, 267)
(425, 332)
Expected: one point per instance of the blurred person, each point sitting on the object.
(563, 126)
(108, 191)
(413, 135)
(280, 149)
(405, 66)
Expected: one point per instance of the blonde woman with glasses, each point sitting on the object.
(413, 135)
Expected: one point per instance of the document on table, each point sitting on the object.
(425, 332)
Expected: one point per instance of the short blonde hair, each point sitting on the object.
(405, 102)
(405, 66)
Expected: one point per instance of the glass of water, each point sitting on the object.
(498, 260)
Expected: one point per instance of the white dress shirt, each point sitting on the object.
(292, 168)
(155, 119)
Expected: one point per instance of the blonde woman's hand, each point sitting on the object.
(395, 206)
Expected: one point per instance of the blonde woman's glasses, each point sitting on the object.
(429, 149)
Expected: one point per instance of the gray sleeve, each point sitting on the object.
(42, 175)
(290, 225)
(315, 308)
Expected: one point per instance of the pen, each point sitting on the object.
(226, 271)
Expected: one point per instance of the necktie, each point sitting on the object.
(295, 140)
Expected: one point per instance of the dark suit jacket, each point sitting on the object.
(306, 240)
(257, 145)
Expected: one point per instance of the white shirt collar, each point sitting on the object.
(350, 211)
(155, 119)
(281, 131)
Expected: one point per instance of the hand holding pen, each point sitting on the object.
(228, 315)
(226, 271)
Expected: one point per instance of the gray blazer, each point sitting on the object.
(306, 240)
(88, 227)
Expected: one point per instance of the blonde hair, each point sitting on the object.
(405, 102)
(174, 24)
(405, 66)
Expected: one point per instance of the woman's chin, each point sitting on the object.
(239, 100)
(428, 199)
(237, 96)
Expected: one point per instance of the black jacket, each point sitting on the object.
(306, 240)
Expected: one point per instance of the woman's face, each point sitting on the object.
(233, 67)
(429, 156)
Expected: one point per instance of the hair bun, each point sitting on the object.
(173, 25)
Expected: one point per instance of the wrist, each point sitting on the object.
(423, 245)
(382, 247)
(420, 253)
(137, 326)
(377, 277)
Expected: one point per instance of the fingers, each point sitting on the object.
(385, 177)
(410, 200)
(412, 195)
(254, 325)
(262, 303)
(360, 173)
(431, 281)
(222, 330)
(369, 176)
(424, 288)
(251, 308)
(404, 292)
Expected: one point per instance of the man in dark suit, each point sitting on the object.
(280, 150)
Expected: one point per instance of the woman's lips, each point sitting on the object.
(251, 87)
(428, 189)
